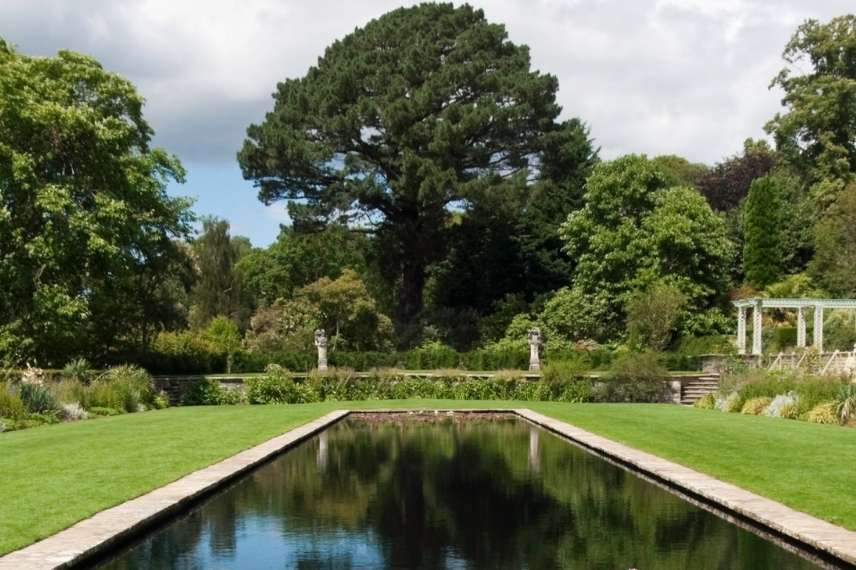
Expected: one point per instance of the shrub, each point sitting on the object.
(73, 411)
(782, 406)
(638, 366)
(203, 392)
(823, 413)
(68, 391)
(706, 402)
(845, 404)
(161, 400)
(731, 403)
(101, 395)
(562, 370)
(653, 315)
(37, 398)
(11, 405)
(755, 406)
(275, 387)
(131, 388)
(78, 369)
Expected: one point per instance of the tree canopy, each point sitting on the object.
(88, 256)
(817, 133)
(420, 109)
(634, 231)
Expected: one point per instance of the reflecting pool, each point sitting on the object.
(449, 493)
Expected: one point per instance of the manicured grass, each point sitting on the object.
(53, 476)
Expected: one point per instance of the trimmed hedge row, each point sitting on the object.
(278, 386)
(433, 358)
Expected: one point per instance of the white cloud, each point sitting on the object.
(657, 76)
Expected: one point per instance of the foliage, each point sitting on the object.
(38, 399)
(755, 406)
(835, 246)
(845, 403)
(783, 406)
(223, 335)
(11, 405)
(349, 314)
(398, 120)
(73, 412)
(653, 315)
(275, 387)
(208, 392)
(727, 183)
(298, 257)
(706, 402)
(570, 314)
(678, 171)
(88, 261)
(287, 325)
(763, 217)
(638, 366)
(217, 290)
(182, 352)
(127, 388)
(78, 369)
(634, 231)
(817, 133)
(823, 413)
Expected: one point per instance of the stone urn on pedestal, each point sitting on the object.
(321, 345)
(534, 345)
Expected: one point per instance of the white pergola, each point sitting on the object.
(758, 304)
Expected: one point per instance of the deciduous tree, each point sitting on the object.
(85, 220)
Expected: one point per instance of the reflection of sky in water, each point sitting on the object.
(496, 494)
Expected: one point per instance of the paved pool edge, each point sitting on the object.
(801, 527)
(108, 528)
(92, 536)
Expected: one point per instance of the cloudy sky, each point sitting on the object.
(688, 77)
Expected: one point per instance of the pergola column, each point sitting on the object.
(741, 330)
(818, 327)
(756, 328)
(800, 328)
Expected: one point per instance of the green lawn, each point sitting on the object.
(52, 476)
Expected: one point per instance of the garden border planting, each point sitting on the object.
(107, 529)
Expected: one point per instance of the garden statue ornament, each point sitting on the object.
(534, 343)
(321, 345)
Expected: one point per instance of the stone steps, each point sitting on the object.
(694, 389)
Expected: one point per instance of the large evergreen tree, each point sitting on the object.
(763, 232)
(422, 108)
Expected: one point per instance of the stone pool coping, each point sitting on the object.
(106, 529)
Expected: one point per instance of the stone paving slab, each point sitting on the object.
(106, 528)
(822, 535)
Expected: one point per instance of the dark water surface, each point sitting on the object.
(449, 494)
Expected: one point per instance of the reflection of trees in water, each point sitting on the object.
(428, 491)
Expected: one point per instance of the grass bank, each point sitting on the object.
(53, 476)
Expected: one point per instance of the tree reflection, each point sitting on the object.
(489, 494)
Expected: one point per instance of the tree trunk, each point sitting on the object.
(410, 296)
